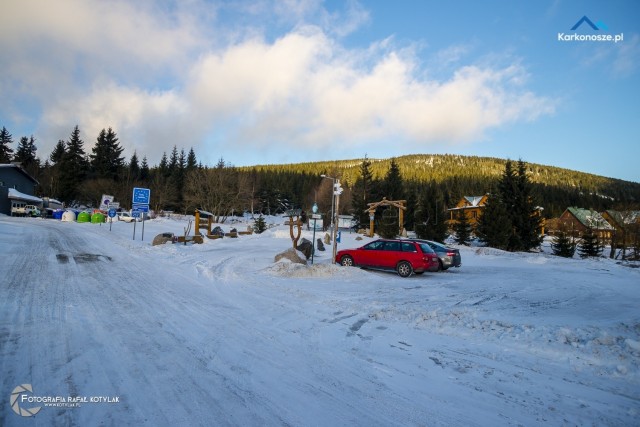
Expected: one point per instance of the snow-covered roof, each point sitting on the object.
(590, 218)
(626, 217)
(16, 195)
(473, 200)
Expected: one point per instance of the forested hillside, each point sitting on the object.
(458, 176)
(430, 183)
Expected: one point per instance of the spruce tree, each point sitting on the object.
(563, 245)
(393, 183)
(73, 168)
(144, 169)
(106, 158)
(589, 245)
(163, 167)
(5, 150)
(192, 162)
(259, 226)
(362, 194)
(462, 229)
(173, 161)
(58, 152)
(494, 225)
(26, 152)
(429, 215)
(134, 167)
(529, 219)
(514, 191)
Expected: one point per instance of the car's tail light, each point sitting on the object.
(451, 254)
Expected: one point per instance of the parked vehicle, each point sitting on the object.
(125, 216)
(21, 209)
(403, 256)
(449, 257)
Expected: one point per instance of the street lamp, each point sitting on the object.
(333, 186)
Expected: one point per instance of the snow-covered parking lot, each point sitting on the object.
(218, 334)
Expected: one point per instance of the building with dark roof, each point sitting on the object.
(16, 187)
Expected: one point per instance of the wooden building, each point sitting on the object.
(577, 221)
(471, 207)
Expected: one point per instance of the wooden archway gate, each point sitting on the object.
(400, 204)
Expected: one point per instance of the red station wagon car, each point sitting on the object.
(403, 256)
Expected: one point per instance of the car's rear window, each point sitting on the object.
(408, 247)
(426, 248)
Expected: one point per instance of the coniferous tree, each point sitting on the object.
(462, 229)
(589, 245)
(192, 162)
(528, 220)
(5, 150)
(429, 215)
(173, 161)
(362, 194)
(259, 226)
(73, 168)
(52, 172)
(144, 169)
(494, 225)
(163, 167)
(387, 223)
(393, 183)
(177, 179)
(134, 167)
(563, 244)
(58, 152)
(26, 155)
(107, 161)
(514, 193)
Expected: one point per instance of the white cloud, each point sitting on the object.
(161, 77)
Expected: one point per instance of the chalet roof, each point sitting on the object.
(624, 217)
(590, 218)
(474, 200)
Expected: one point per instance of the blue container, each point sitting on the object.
(57, 214)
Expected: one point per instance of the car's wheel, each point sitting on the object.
(441, 266)
(404, 269)
(346, 261)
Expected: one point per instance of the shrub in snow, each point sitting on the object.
(589, 245)
(259, 225)
(563, 245)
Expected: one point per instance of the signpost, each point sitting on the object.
(112, 214)
(315, 217)
(140, 205)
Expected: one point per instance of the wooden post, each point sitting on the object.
(197, 215)
(295, 239)
(372, 216)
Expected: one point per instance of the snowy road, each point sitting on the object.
(218, 335)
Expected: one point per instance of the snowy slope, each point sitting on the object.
(217, 334)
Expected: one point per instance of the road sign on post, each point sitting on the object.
(141, 196)
(140, 204)
(112, 213)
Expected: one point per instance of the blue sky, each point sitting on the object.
(266, 81)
